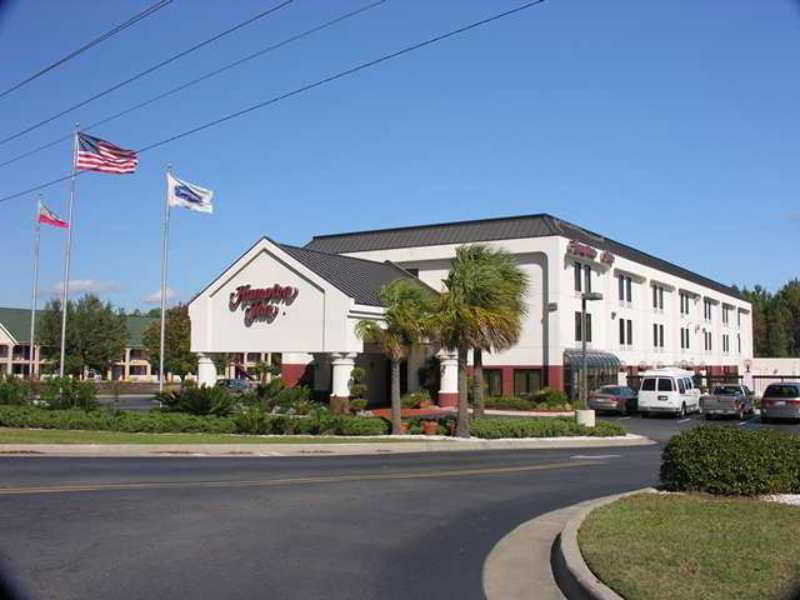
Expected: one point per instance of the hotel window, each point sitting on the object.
(625, 332)
(527, 381)
(493, 380)
(739, 343)
(625, 288)
(684, 304)
(707, 310)
(738, 319)
(658, 335)
(583, 278)
(658, 297)
(578, 327)
(725, 313)
(726, 343)
(685, 338)
(707, 339)
(3, 351)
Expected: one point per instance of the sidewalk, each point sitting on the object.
(415, 445)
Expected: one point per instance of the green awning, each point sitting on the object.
(595, 359)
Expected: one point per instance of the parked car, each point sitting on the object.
(668, 391)
(614, 398)
(235, 385)
(728, 400)
(781, 401)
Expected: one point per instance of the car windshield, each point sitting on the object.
(727, 390)
(649, 384)
(782, 391)
(611, 390)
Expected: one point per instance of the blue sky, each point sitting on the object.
(670, 126)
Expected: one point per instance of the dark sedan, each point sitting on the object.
(614, 398)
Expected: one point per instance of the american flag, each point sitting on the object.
(95, 154)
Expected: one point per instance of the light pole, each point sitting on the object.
(585, 297)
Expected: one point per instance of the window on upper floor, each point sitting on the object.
(707, 309)
(658, 297)
(583, 277)
(739, 343)
(578, 270)
(658, 335)
(3, 351)
(685, 304)
(625, 332)
(726, 314)
(625, 285)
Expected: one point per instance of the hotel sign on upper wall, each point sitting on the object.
(262, 304)
(581, 250)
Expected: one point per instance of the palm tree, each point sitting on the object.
(482, 308)
(407, 306)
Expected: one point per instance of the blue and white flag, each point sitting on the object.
(188, 195)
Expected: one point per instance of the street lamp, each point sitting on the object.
(585, 297)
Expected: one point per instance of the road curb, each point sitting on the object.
(570, 570)
(311, 449)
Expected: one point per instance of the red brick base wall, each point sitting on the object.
(292, 374)
(447, 399)
(555, 377)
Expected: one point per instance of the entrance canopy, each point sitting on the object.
(289, 299)
(595, 359)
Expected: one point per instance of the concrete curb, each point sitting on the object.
(335, 449)
(569, 568)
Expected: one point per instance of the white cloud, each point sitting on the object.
(87, 286)
(155, 297)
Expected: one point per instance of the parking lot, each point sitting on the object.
(662, 427)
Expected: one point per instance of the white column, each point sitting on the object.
(448, 388)
(342, 368)
(322, 373)
(206, 371)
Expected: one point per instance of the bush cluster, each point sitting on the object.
(198, 401)
(250, 421)
(101, 420)
(14, 390)
(731, 461)
(495, 428)
(416, 399)
(63, 393)
(545, 399)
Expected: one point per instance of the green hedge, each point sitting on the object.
(549, 400)
(495, 428)
(731, 461)
(249, 422)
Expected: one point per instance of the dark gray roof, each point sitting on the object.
(504, 228)
(359, 279)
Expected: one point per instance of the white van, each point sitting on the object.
(668, 390)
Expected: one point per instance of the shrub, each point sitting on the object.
(63, 393)
(732, 461)
(358, 387)
(256, 421)
(550, 397)
(510, 427)
(416, 399)
(152, 422)
(509, 403)
(200, 401)
(14, 390)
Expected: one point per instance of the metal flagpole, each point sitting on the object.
(67, 250)
(164, 240)
(36, 236)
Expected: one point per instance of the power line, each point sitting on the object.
(130, 22)
(146, 72)
(213, 73)
(305, 88)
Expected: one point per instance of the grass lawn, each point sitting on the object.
(658, 547)
(62, 436)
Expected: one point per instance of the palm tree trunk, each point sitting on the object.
(477, 386)
(462, 422)
(396, 408)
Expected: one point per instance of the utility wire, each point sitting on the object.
(130, 22)
(146, 71)
(305, 88)
(271, 48)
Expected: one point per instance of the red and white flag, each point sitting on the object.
(48, 217)
(99, 155)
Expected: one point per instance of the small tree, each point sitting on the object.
(358, 389)
(178, 357)
(96, 335)
(407, 306)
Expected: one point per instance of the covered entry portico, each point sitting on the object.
(304, 304)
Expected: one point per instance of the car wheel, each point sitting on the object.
(709, 417)
(764, 418)
(682, 412)
(740, 414)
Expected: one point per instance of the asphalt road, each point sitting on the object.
(405, 526)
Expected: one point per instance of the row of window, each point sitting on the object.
(583, 283)
(526, 381)
(626, 334)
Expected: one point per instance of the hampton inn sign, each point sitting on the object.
(338, 279)
(262, 304)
